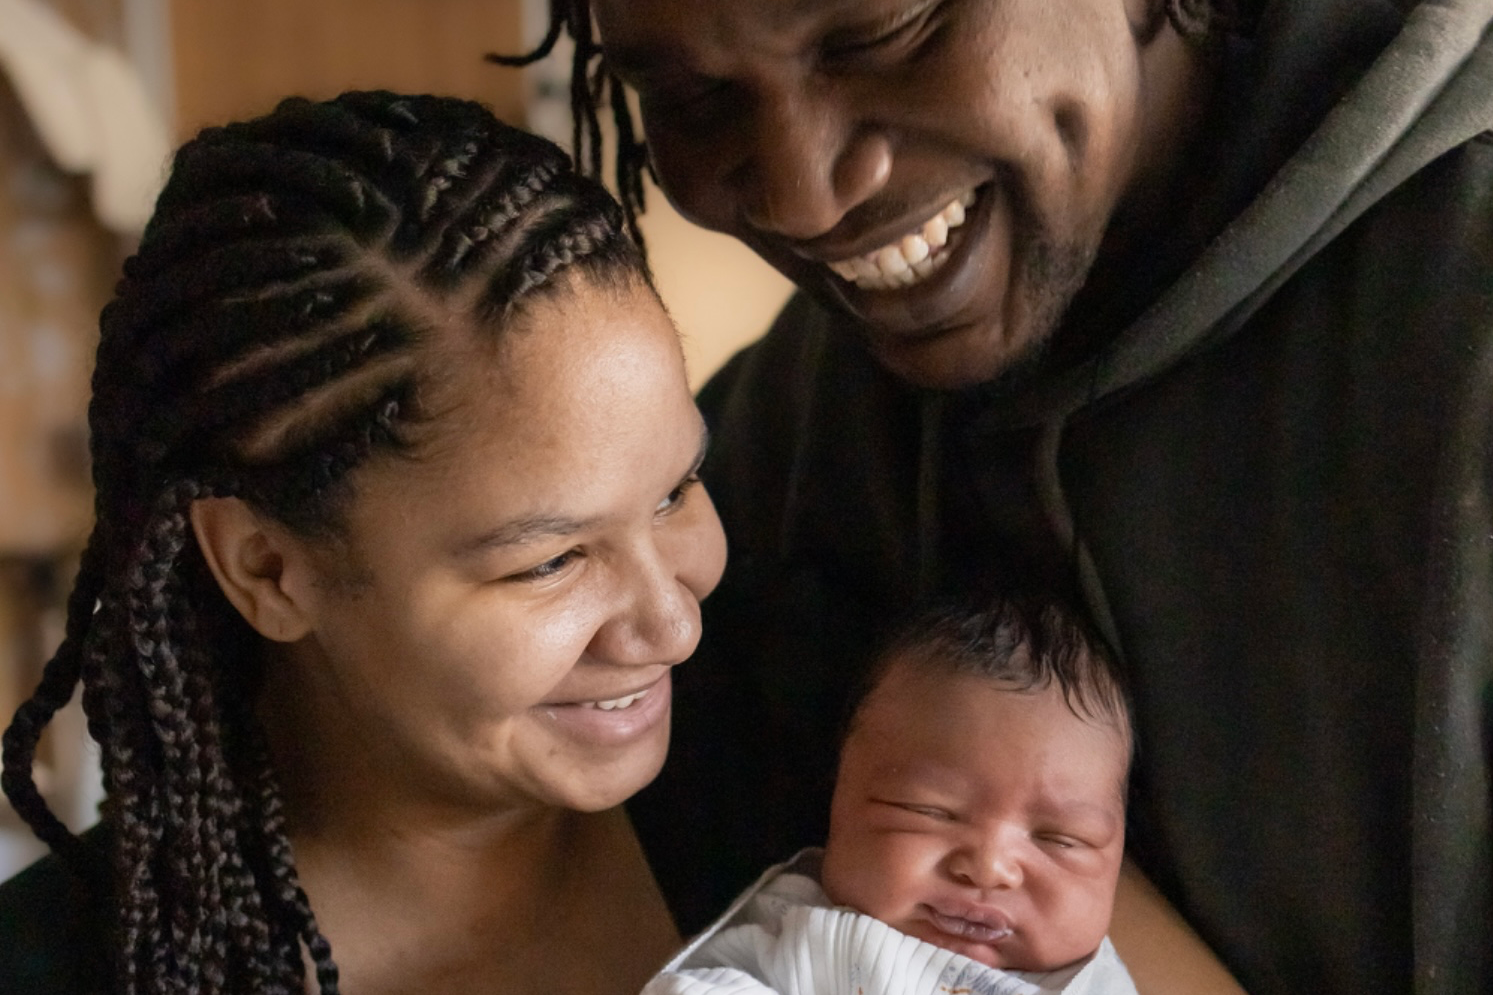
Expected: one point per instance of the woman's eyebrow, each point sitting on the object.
(531, 528)
(521, 531)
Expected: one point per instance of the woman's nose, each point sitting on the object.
(656, 622)
(991, 863)
(807, 164)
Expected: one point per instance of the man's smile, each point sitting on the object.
(912, 258)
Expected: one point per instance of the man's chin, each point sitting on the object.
(953, 360)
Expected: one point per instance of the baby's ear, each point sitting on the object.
(252, 559)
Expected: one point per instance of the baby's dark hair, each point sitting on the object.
(593, 88)
(1020, 643)
(273, 333)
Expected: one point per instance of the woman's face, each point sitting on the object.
(499, 623)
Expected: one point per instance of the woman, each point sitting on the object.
(398, 537)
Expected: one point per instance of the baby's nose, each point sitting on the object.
(991, 863)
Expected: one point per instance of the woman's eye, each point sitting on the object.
(549, 568)
(677, 496)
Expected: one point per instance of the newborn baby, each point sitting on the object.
(976, 829)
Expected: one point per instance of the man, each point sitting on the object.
(1185, 310)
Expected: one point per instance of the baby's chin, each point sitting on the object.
(1010, 953)
(1004, 953)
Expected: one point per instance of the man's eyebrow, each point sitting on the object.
(521, 531)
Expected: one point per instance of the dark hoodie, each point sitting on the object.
(1273, 491)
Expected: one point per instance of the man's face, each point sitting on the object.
(941, 170)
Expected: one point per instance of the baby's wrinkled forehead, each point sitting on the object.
(943, 730)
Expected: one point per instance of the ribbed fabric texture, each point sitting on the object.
(781, 937)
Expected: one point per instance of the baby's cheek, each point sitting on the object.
(851, 870)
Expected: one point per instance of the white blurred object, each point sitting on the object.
(90, 108)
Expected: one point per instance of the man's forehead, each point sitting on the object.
(678, 22)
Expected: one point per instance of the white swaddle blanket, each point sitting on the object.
(782, 937)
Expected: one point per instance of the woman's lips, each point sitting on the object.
(615, 721)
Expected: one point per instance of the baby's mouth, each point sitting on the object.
(912, 258)
(976, 926)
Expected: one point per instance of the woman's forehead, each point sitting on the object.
(571, 377)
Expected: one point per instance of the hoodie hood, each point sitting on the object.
(1426, 91)
(1404, 102)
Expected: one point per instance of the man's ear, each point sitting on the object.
(251, 559)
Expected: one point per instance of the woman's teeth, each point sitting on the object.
(616, 703)
(910, 260)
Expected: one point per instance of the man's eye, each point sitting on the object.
(906, 30)
(694, 105)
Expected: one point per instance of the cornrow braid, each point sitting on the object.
(265, 341)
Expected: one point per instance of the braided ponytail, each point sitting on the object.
(265, 341)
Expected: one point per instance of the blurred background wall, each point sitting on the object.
(72, 173)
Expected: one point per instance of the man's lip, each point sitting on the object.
(832, 249)
(941, 303)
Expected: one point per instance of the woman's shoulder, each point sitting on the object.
(52, 929)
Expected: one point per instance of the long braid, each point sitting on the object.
(58, 681)
(590, 86)
(266, 340)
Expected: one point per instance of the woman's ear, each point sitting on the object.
(251, 560)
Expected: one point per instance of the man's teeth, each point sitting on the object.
(911, 259)
(616, 703)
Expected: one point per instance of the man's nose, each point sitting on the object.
(992, 862)
(808, 164)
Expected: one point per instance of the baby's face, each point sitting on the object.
(983, 820)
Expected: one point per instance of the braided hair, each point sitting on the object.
(264, 341)
(592, 86)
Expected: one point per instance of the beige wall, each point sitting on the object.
(721, 295)
(235, 59)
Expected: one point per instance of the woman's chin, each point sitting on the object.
(596, 785)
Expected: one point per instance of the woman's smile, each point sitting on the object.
(613, 721)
